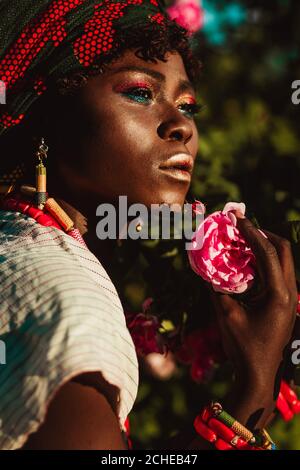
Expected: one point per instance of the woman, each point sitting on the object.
(115, 119)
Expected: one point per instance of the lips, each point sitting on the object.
(178, 167)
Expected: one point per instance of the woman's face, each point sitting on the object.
(135, 135)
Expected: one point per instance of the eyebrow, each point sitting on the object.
(183, 85)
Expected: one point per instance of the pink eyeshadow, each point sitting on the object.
(128, 85)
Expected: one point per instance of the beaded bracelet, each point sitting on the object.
(218, 427)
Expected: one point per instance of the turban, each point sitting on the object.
(44, 40)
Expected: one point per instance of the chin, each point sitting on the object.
(158, 196)
(174, 197)
(169, 198)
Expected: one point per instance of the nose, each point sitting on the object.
(176, 127)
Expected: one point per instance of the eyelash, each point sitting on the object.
(193, 108)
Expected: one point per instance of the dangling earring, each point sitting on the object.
(41, 174)
(39, 192)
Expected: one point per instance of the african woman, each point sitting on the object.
(110, 87)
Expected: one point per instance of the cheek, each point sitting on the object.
(119, 150)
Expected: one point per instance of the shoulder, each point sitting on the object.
(45, 271)
(61, 316)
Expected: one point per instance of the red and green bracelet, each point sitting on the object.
(221, 429)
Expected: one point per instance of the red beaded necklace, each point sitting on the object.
(18, 203)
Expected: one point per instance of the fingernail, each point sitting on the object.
(239, 214)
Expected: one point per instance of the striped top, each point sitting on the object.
(60, 316)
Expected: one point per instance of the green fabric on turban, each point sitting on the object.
(42, 41)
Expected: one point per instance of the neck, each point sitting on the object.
(86, 223)
(80, 221)
(81, 208)
(80, 203)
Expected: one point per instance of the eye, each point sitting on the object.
(139, 94)
(191, 109)
(144, 95)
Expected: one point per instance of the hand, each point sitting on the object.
(256, 335)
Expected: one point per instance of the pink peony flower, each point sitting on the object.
(188, 14)
(202, 350)
(224, 259)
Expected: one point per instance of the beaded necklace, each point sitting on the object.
(56, 218)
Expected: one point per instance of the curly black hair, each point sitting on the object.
(150, 41)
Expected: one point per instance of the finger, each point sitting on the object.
(223, 303)
(225, 306)
(284, 252)
(266, 255)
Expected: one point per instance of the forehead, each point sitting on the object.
(174, 62)
(173, 69)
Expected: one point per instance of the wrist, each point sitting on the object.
(264, 385)
(252, 403)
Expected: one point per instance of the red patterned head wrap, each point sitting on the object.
(42, 41)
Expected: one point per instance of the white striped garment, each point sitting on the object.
(60, 316)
